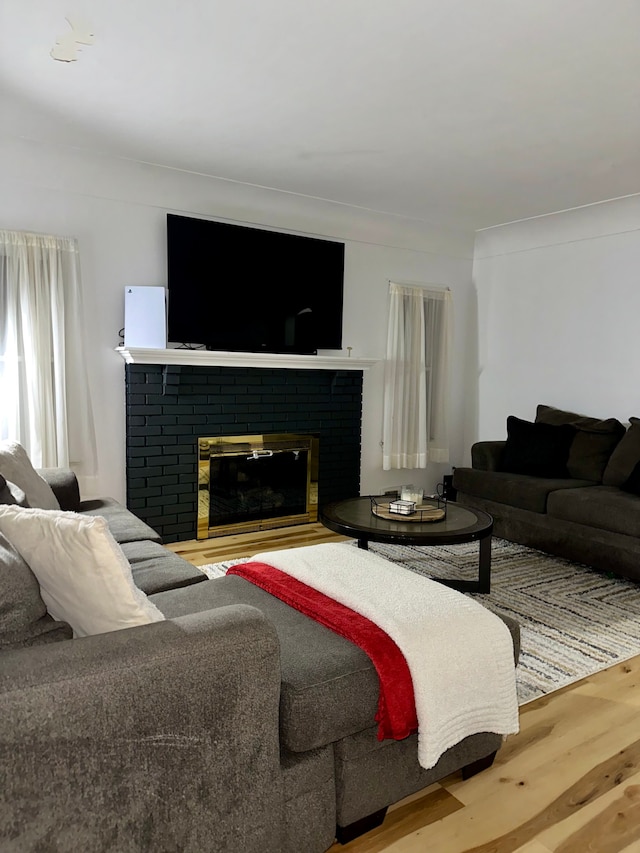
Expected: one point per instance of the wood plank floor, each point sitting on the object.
(569, 782)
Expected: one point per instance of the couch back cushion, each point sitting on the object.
(16, 466)
(625, 457)
(24, 620)
(594, 442)
(537, 449)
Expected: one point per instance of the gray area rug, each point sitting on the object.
(574, 621)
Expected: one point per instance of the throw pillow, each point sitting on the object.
(537, 449)
(24, 620)
(632, 484)
(11, 494)
(625, 457)
(84, 577)
(16, 466)
(594, 443)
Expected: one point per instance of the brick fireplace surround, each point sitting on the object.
(169, 406)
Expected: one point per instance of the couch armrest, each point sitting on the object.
(486, 455)
(64, 484)
(161, 737)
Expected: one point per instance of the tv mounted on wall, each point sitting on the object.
(239, 288)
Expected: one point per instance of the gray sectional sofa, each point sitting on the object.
(237, 725)
(567, 484)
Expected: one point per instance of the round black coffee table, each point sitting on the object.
(353, 517)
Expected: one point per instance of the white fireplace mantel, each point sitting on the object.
(213, 358)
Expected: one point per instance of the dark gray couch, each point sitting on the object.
(589, 514)
(236, 726)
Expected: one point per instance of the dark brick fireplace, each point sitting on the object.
(169, 406)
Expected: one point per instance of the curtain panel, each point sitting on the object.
(416, 385)
(43, 380)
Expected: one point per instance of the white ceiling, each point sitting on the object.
(467, 113)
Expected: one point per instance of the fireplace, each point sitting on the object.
(256, 482)
(169, 407)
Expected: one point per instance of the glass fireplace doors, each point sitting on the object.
(256, 482)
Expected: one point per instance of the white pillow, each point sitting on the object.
(16, 467)
(84, 577)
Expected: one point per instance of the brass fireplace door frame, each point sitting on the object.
(246, 445)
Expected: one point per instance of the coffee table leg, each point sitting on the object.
(484, 572)
(483, 584)
(364, 544)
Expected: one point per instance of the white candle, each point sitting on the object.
(411, 493)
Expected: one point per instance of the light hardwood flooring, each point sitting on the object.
(569, 782)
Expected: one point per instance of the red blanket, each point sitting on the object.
(396, 715)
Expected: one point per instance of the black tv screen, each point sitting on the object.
(239, 288)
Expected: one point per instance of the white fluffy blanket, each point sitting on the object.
(460, 655)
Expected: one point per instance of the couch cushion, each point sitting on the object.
(625, 456)
(24, 620)
(155, 569)
(632, 483)
(16, 466)
(123, 524)
(517, 490)
(329, 686)
(537, 449)
(84, 577)
(604, 507)
(593, 445)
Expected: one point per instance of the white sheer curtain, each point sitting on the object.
(44, 392)
(416, 388)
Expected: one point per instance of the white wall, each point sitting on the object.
(558, 303)
(117, 210)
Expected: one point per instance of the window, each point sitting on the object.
(416, 388)
(43, 380)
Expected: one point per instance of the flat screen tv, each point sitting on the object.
(239, 288)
